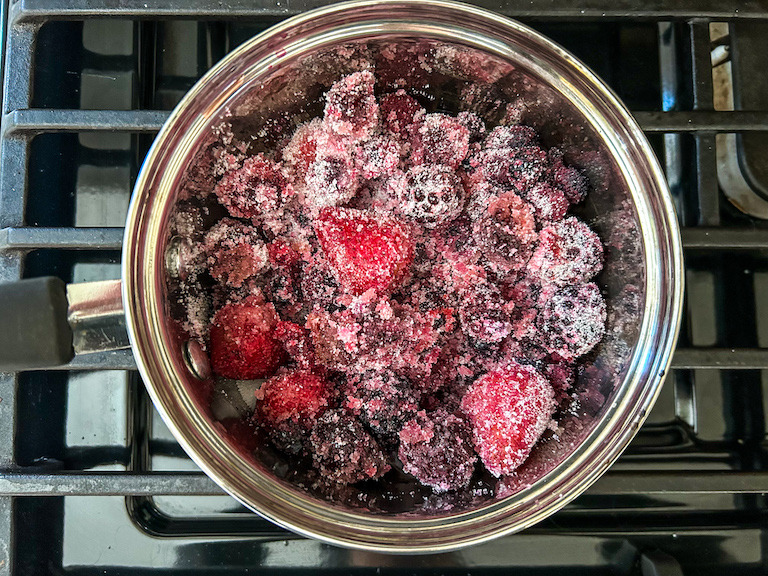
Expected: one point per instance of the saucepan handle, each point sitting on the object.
(44, 322)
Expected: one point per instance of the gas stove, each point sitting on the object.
(92, 482)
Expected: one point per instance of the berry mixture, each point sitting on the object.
(409, 285)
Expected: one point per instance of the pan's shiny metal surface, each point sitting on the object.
(630, 207)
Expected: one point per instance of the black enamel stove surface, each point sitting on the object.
(91, 482)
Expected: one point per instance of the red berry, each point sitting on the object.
(300, 152)
(433, 195)
(377, 157)
(351, 108)
(474, 124)
(549, 203)
(296, 342)
(255, 189)
(235, 252)
(514, 168)
(399, 111)
(442, 140)
(365, 251)
(332, 179)
(509, 409)
(242, 342)
(281, 253)
(297, 395)
(569, 252)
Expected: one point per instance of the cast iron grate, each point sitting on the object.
(83, 455)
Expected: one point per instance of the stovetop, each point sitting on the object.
(91, 481)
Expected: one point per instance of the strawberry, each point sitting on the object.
(295, 394)
(365, 251)
(242, 342)
(509, 408)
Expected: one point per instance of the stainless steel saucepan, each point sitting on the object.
(466, 54)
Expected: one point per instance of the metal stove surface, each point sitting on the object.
(91, 482)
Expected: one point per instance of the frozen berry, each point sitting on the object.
(295, 341)
(383, 401)
(509, 409)
(399, 112)
(255, 189)
(235, 252)
(511, 137)
(343, 451)
(351, 108)
(365, 251)
(485, 316)
(332, 179)
(569, 179)
(442, 140)
(568, 252)
(377, 157)
(514, 168)
(300, 152)
(281, 253)
(437, 449)
(474, 124)
(319, 287)
(507, 234)
(572, 321)
(549, 203)
(433, 195)
(297, 395)
(242, 342)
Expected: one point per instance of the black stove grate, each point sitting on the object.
(92, 483)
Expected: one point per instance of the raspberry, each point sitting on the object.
(572, 321)
(437, 449)
(514, 168)
(300, 152)
(255, 189)
(511, 137)
(242, 342)
(365, 251)
(433, 195)
(377, 157)
(399, 111)
(440, 140)
(509, 409)
(350, 106)
(569, 179)
(507, 234)
(343, 451)
(383, 401)
(332, 179)
(568, 252)
(281, 253)
(235, 252)
(549, 203)
(297, 395)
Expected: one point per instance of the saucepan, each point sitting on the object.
(508, 70)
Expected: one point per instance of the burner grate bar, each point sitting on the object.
(30, 238)
(721, 358)
(34, 121)
(34, 10)
(23, 238)
(52, 120)
(613, 483)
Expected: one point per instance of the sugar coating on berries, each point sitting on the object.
(242, 342)
(383, 401)
(343, 451)
(437, 449)
(350, 106)
(235, 252)
(255, 189)
(395, 274)
(572, 321)
(433, 195)
(568, 252)
(440, 139)
(399, 113)
(365, 251)
(509, 409)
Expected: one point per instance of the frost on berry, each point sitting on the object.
(350, 106)
(440, 139)
(568, 252)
